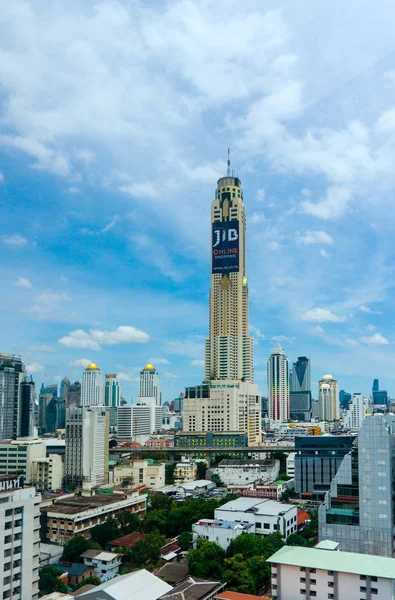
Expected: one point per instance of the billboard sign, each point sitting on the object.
(225, 247)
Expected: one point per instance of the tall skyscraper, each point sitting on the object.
(278, 385)
(92, 390)
(355, 413)
(344, 399)
(111, 391)
(64, 389)
(17, 396)
(229, 349)
(328, 399)
(375, 386)
(86, 462)
(74, 398)
(145, 417)
(20, 540)
(300, 390)
(43, 401)
(26, 414)
(359, 510)
(149, 385)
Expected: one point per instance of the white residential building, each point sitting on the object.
(140, 472)
(135, 421)
(47, 473)
(239, 471)
(328, 399)
(220, 532)
(19, 535)
(278, 386)
(86, 446)
(149, 385)
(268, 516)
(17, 456)
(186, 470)
(355, 413)
(322, 573)
(291, 464)
(111, 391)
(106, 564)
(92, 389)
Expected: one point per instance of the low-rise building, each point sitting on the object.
(194, 588)
(76, 572)
(211, 439)
(220, 532)
(189, 489)
(268, 516)
(76, 515)
(133, 586)
(291, 464)
(236, 471)
(106, 564)
(16, 456)
(47, 473)
(186, 470)
(160, 441)
(272, 490)
(140, 472)
(323, 572)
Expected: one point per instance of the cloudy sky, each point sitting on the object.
(115, 121)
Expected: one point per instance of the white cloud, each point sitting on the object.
(111, 224)
(324, 253)
(260, 195)
(256, 218)
(86, 156)
(314, 237)
(159, 361)
(34, 368)
(42, 348)
(58, 378)
(197, 363)
(370, 327)
(48, 302)
(366, 309)
(332, 206)
(125, 334)
(80, 362)
(22, 282)
(72, 189)
(274, 245)
(140, 190)
(127, 377)
(322, 315)
(169, 375)
(1, 177)
(14, 240)
(283, 338)
(257, 333)
(318, 329)
(374, 340)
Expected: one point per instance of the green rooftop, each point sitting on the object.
(331, 560)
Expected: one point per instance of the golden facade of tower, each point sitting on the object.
(229, 349)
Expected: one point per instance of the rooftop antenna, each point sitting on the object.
(228, 169)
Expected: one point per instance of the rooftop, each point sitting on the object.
(239, 596)
(139, 585)
(345, 562)
(127, 541)
(224, 524)
(72, 505)
(174, 572)
(76, 569)
(100, 555)
(259, 506)
(228, 462)
(193, 588)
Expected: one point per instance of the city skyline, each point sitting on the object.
(105, 239)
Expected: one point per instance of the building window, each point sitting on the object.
(331, 584)
(362, 577)
(374, 591)
(362, 589)
(303, 569)
(303, 580)
(330, 572)
(331, 596)
(303, 592)
(313, 581)
(312, 593)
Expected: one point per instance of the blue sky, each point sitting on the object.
(115, 121)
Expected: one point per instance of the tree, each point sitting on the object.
(128, 521)
(77, 546)
(284, 477)
(160, 501)
(49, 581)
(247, 545)
(147, 549)
(155, 520)
(105, 532)
(185, 540)
(286, 495)
(215, 478)
(206, 560)
(237, 575)
(87, 581)
(296, 540)
(169, 473)
(201, 469)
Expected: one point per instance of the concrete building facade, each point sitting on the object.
(47, 473)
(328, 399)
(278, 386)
(220, 532)
(239, 471)
(17, 456)
(92, 390)
(140, 472)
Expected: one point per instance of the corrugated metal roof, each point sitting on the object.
(140, 585)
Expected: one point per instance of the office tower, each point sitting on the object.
(328, 399)
(138, 420)
(26, 413)
(278, 386)
(149, 384)
(92, 392)
(229, 349)
(19, 534)
(344, 399)
(64, 389)
(316, 461)
(50, 388)
(300, 390)
(375, 386)
(16, 456)
(55, 415)
(358, 511)
(12, 371)
(86, 462)
(74, 394)
(43, 400)
(178, 403)
(355, 413)
(111, 391)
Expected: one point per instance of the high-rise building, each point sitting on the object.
(64, 389)
(375, 386)
(278, 386)
(344, 399)
(92, 391)
(12, 372)
(27, 400)
(43, 400)
(229, 349)
(149, 385)
(86, 462)
(19, 534)
(74, 398)
(328, 399)
(111, 391)
(355, 413)
(55, 415)
(135, 420)
(300, 390)
(359, 510)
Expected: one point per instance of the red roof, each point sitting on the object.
(127, 541)
(303, 515)
(239, 596)
(170, 547)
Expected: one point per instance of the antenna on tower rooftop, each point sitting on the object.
(228, 169)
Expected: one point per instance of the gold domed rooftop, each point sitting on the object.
(149, 367)
(92, 367)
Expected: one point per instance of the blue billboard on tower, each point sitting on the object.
(225, 247)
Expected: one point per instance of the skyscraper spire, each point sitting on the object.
(228, 174)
